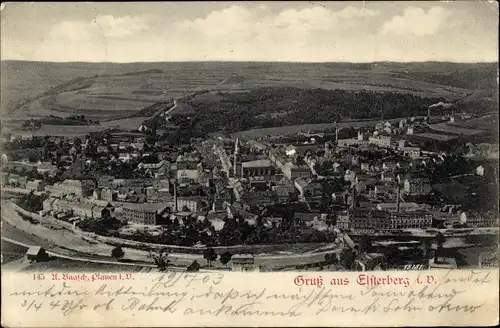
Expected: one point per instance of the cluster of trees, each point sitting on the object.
(162, 262)
(235, 231)
(105, 226)
(31, 202)
(241, 111)
(32, 125)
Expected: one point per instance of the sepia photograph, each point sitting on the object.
(257, 137)
(243, 155)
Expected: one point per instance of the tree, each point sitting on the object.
(209, 255)
(392, 254)
(331, 220)
(347, 258)
(364, 243)
(440, 239)
(225, 257)
(161, 259)
(117, 252)
(193, 267)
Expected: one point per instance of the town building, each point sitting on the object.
(191, 203)
(35, 185)
(261, 167)
(243, 263)
(417, 186)
(413, 152)
(145, 214)
(308, 189)
(81, 188)
(381, 141)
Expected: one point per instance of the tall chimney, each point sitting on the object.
(175, 196)
(336, 133)
(353, 198)
(429, 114)
(397, 199)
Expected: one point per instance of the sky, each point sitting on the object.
(303, 31)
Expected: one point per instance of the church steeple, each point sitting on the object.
(236, 153)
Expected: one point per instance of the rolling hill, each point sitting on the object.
(105, 91)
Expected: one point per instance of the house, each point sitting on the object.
(163, 184)
(46, 168)
(191, 203)
(125, 157)
(259, 197)
(81, 188)
(380, 141)
(102, 150)
(380, 191)
(261, 167)
(47, 204)
(403, 207)
(123, 145)
(36, 254)
(412, 152)
(343, 222)
(108, 194)
(365, 167)
(417, 186)
(283, 190)
(243, 263)
(139, 146)
(389, 166)
(83, 209)
(101, 209)
(387, 176)
(308, 189)
(62, 205)
(35, 185)
(17, 180)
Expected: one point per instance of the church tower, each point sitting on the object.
(236, 153)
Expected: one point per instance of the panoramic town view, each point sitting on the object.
(248, 165)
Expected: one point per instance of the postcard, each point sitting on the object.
(233, 164)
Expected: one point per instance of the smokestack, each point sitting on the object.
(336, 134)
(397, 199)
(175, 196)
(429, 114)
(353, 198)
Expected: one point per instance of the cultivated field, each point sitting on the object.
(63, 130)
(132, 123)
(111, 91)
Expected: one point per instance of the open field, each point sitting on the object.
(435, 136)
(63, 130)
(488, 122)
(454, 129)
(108, 90)
(294, 129)
(132, 123)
